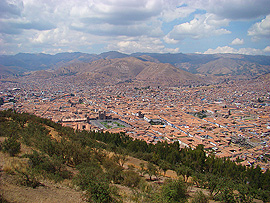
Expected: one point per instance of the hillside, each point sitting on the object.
(167, 75)
(119, 70)
(32, 172)
(223, 66)
(42, 157)
(215, 64)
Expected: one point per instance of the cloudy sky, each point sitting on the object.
(129, 26)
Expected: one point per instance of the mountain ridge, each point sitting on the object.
(213, 66)
(119, 70)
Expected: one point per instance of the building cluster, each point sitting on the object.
(231, 119)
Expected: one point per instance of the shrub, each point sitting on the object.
(92, 179)
(174, 191)
(98, 191)
(28, 178)
(51, 168)
(131, 179)
(22, 169)
(199, 197)
(226, 196)
(114, 172)
(11, 146)
(3, 200)
(88, 173)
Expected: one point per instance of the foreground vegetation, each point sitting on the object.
(99, 174)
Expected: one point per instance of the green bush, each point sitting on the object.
(131, 179)
(114, 172)
(174, 191)
(48, 167)
(11, 146)
(87, 173)
(28, 178)
(91, 178)
(98, 191)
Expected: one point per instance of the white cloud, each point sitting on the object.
(237, 41)
(29, 15)
(117, 12)
(57, 39)
(44, 24)
(227, 49)
(260, 29)
(141, 44)
(173, 12)
(103, 14)
(250, 51)
(118, 17)
(152, 29)
(267, 49)
(170, 40)
(233, 9)
(200, 27)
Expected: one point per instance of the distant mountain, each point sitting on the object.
(112, 55)
(207, 65)
(235, 67)
(24, 62)
(167, 75)
(120, 70)
(6, 72)
(32, 62)
(214, 64)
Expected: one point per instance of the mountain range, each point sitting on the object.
(146, 68)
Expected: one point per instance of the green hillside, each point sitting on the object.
(93, 162)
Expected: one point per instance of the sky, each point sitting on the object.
(129, 26)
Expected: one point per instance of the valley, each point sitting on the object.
(140, 104)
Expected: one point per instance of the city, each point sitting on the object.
(231, 119)
(135, 101)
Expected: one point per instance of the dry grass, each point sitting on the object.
(13, 164)
(54, 133)
(48, 193)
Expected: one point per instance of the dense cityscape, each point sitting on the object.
(230, 119)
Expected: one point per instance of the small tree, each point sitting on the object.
(151, 170)
(164, 166)
(184, 171)
(120, 159)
